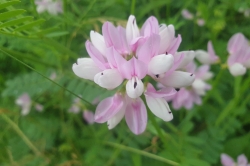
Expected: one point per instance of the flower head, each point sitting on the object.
(25, 103)
(131, 54)
(52, 7)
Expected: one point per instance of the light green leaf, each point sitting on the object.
(13, 13)
(56, 34)
(15, 22)
(30, 25)
(6, 4)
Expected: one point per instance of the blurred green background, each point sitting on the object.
(34, 48)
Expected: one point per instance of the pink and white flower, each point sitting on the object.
(186, 14)
(187, 97)
(200, 22)
(130, 54)
(76, 106)
(52, 7)
(207, 57)
(228, 161)
(25, 102)
(88, 116)
(239, 58)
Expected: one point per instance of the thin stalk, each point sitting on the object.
(143, 153)
(132, 9)
(21, 134)
(234, 102)
(88, 103)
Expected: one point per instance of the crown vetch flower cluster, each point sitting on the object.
(130, 54)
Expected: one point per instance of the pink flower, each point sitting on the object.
(75, 107)
(39, 107)
(113, 109)
(53, 76)
(130, 54)
(88, 116)
(207, 57)
(25, 103)
(239, 58)
(228, 161)
(192, 95)
(201, 22)
(52, 7)
(186, 14)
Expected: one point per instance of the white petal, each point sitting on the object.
(85, 68)
(247, 63)
(178, 79)
(159, 107)
(167, 36)
(98, 41)
(134, 88)
(109, 79)
(207, 76)
(202, 57)
(237, 69)
(25, 110)
(199, 86)
(162, 27)
(132, 30)
(160, 64)
(188, 57)
(116, 118)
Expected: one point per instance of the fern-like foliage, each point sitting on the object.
(14, 22)
(35, 85)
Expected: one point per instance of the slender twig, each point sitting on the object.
(88, 103)
(150, 155)
(21, 134)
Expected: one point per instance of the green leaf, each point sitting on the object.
(6, 4)
(9, 14)
(30, 25)
(15, 22)
(56, 34)
(46, 31)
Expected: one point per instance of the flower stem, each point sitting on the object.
(234, 102)
(88, 103)
(132, 9)
(21, 134)
(143, 153)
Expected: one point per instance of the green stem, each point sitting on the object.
(234, 102)
(162, 135)
(143, 153)
(34, 7)
(21, 134)
(237, 82)
(88, 103)
(132, 9)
